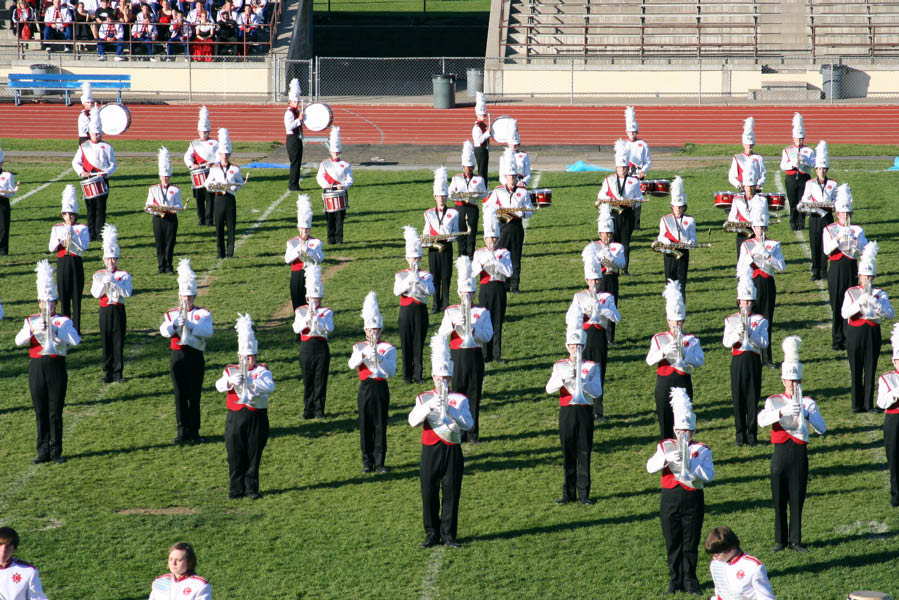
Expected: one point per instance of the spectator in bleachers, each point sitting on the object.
(164, 18)
(83, 20)
(144, 31)
(24, 21)
(58, 24)
(193, 16)
(227, 32)
(111, 33)
(248, 26)
(204, 37)
(103, 11)
(179, 33)
(125, 16)
(262, 10)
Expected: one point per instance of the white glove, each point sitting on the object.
(434, 404)
(179, 322)
(107, 278)
(796, 409)
(38, 326)
(673, 457)
(670, 349)
(368, 353)
(235, 380)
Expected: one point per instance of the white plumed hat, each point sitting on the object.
(87, 93)
(69, 200)
(224, 141)
(822, 157)
(441, 359)
(413, 242)
(203, 120)
(163, 162)
(630, 119)
(798, 126)
(678, 195)
(480, 104)
(621, 156)
(604, 222)
(745, 287)
(371, 312)
(441, 187)
(95, 126)
(592, 266)
(46, 285)
(110, 241)
(314, 286)
(465, 278)
(304, 211)
(491, 222)
(682, 406)
(867, 264)
(842, 201)
(751, 173)
(758, 211)
(791, 368)
(894, 340)
(187, 279)
(507, 163)
(468, 154)
(749, 131)
(246, 338)
(294, 92)
(675, 309)
(335, 144)
(574, 325)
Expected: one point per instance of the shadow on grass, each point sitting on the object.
(844, 561)
(515, 533)
(317, 428)
(395, 474)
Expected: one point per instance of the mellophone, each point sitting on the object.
(656, 187)
(94, 187)
(776, 200)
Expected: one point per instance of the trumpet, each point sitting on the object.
(438, 239)
(744, 227)
(245, 380)
(49, 345)
(377, 372)
(67, 241)
(468, 340)
(683, 451)
(182, 335)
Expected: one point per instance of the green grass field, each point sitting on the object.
(99, 526)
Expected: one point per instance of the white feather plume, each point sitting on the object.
(46, 285)
(790, 347)
(371, 312)
(441, 359)
(304, 211)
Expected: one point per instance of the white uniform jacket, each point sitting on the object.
(300, 251)
(733, 333)
(481, 326)
(293, 121)
(767, 258)
(188, 587)
(111, 288)
(198, 326)
(201, 152)
(617, 189)
(888, 392)
(639, 157)
(80, 238)
(819, 196)
(260, 385)
(873, 307)
(677, 231)
(97, 158)
(84, 122)
(322, 322)
(662, 347)
(850, 241)
(739, 163)
(480, 134)
(170, 198)
(599, 312)
(333, 173)
(789, 425)
(793, 158)
(61, 327)
(739, 210)
(743, 577)
(445, 222)
(491, 265)
(501, 197)
(427, 410)
(413, 286)
(20, 581)
(230, 175)
(667, 459)
(460, 185)
(363, 358)
(564, 380)
(610, 255)
(7, 184)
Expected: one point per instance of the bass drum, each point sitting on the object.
(503, 129)
(317, 116)
(115, 119)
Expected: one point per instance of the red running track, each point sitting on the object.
(539, 125)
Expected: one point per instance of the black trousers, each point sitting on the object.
(681, 513)
(664, 412)
(765, 298)
(335, 224)
(624, 228)
(315, 360)
(70, 281)
(294, 143)
(789, 479)
(96, 214)
(4, 225)
(440, 264)
(676, 269)
(795, 187)
(468, 217)
(597, 350)
(576, 435)
(468, 379)
(891, 443)
(48, 380)
(441, 467)
(413, 324)
(373, 401)
(511, 237)
(113, 324)
(482, 158)
(863, 346)
(609, 284)
(298, 288)
(745, 391)
(246, 434)
(165, 232)
(816, 227)
(492, 296)
(205, 206)
(740, 239)
(225, 216)
(188, 366)
(842, 275)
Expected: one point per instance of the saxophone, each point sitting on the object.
(743, 227)
(428, 240)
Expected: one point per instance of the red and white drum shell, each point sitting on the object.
(198, 177)
(724, 200)
(776, 201)
(94, 187)
(659, 187)
(543, 197)
(334, 200)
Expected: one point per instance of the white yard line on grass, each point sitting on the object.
(41, 187)
(429, 580)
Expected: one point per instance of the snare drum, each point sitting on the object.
(198, 176)
(115, 119)
(317, 116)
(775, 200)
(659, 187)
(724, 200)
(544, 197)
(334, 200)
(94, 187)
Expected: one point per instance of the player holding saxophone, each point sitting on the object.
(444, 222)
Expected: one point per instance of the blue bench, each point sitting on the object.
(65, 82)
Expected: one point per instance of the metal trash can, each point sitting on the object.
(41, 69)
(444, 90)
(832, 80)
(475, 81)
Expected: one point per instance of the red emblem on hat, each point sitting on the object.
(741, 574)
(16, 578)
(187, 590)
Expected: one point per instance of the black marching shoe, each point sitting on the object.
(39, 460)
(587, 501)
(59, 460)
(235, 495)
(254, 495)
(796, 547)
(777, 547)
(562, 500)
(452, 543)
(430, 542)
(366, 468)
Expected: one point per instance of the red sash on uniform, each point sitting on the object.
(85, 164)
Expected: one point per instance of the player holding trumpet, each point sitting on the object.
(302, 250)
(313, 323)
(112, 286)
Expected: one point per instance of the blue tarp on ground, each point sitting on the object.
(895, 166)
(582, 167)
(265, 165)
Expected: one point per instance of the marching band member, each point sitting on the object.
(675, 354)
(817, 200)
(598, 311)
(95, 158)
(182, 580)
(335, 174)
(888, 401)
(19, 580)
(466, 339)
(677, 227)
(302, 250)
(622, 187)
(522, 170)
(790, 418)
(248, 385)
(84, 115)
(48, 336)
(492, 265)
(578, 381)
(444, 415)
(843, 243)
(223, 181)
(764, 257)
(376, 362)
(480, 136)
(164, 203)
(740, 162)
(188, 327)
(69, 240)
(639, 157)
(413, 287)
(611, 256)
(686, 465)
(467, 182)
(864, 307)
(797, 162)
(735, 573)
(8, 189)
(312, 324)
(201, 153)
(293, 130)
(511, 232)
(739, 210)
(746, 334)
(440, 221)
(112, 286)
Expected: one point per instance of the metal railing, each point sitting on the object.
(871, 47)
